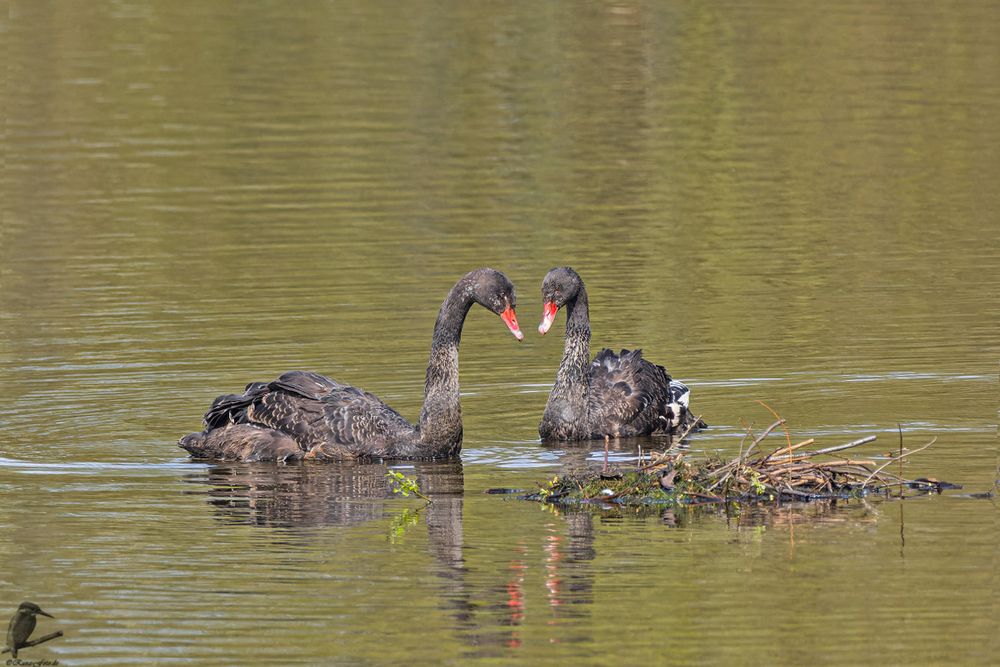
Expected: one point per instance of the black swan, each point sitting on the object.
(306, 415)
(616, 395)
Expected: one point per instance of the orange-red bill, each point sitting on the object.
(509, 318)
(549, 311)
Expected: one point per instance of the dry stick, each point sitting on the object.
(795, 458)
(34, 642)
(845, 462)
(891, 461)
(744, 455)
(739, 457)
(788, 466)
(899, 427)
(767, 432)
(738, 463)
(774, 482)
(746, 434)
(739, 460)
(784, 471)
(828, 450)
(726, 472)
(804, 461)
(791, 466)
(853, 443)
(748, 428)
(788, 450)
(722, 479)
(788, 436)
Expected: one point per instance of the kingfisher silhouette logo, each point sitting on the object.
(22, 624)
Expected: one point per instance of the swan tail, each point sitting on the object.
(242, 442)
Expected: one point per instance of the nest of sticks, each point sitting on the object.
(759, 473)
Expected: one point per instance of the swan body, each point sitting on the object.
(306, 415)
(617, 394)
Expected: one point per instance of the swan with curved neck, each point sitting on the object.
(306, 415)
(617, 395)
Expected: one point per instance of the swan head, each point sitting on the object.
(559, 287)
(492, 290)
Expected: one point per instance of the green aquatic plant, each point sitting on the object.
(403, 485)
(544, 492)
(756, 485)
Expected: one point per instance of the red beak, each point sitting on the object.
(509, 318)
(549, 310)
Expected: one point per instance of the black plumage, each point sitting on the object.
(306, 415)
(617, 395)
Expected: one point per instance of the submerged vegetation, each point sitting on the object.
(758, 474)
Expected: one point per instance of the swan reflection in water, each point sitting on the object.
(485, 602)
(312, 495)
(488, 601)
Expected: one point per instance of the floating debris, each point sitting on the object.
(791, 472)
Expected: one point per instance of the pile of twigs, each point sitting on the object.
(793, 472)
(756, 474)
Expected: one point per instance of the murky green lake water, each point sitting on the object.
(778, 202)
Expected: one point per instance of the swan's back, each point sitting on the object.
(627, 393)
(322, 417)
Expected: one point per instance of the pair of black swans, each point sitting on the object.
(303, 415)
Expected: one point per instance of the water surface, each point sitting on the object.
(786, 203)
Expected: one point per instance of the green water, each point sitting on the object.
(780, 202)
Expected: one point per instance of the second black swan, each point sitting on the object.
(616, 395)
(306, 415)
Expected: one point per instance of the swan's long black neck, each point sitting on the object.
(566, 409)
(441, 415)
(576, 347)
